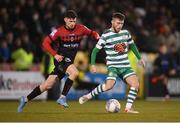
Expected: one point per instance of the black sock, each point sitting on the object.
(67, 86)
(61, 75)
(34, 93)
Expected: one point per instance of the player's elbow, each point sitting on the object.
(95, 35)
(46, 42)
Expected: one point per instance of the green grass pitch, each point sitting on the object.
(89, 112)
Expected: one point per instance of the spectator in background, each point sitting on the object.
(4, 55)
(22, 58)
(26, 43)
(176, 54)
(4, 52)
(164, 67)
(147, 20)
(9, 37)
(166, 35)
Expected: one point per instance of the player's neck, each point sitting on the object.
(115, 30)
(70, 29)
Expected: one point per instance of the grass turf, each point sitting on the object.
(89, 112)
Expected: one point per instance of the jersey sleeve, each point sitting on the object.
(48, 40)
(47, 46)
(86, 31)
(93, 55)
(101, 43)
(89, 32)
(130, 40)
(133, 46)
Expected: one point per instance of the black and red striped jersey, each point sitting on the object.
(67, 41)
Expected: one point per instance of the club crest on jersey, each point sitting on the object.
(67, 59)
(120, 47)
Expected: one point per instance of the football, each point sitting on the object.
(113, 106)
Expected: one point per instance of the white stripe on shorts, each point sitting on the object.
(128, 75)
(114, 78)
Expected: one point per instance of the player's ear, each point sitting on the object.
(112, 21)
(65, 19)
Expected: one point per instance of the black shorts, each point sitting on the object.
(61, 67)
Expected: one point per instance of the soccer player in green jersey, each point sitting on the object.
(116, 43)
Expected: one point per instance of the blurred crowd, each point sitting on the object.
(24, 23)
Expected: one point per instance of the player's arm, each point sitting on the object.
(47, 45)
(93, 59)
(137, 54)
(132, 46)
(135, 50)
(94, 53)
(90, 33)
(95, 35)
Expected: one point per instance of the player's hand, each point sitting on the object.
(59, 58)
(142, 63)
(93, 69)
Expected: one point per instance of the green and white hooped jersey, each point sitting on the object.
(116, 47)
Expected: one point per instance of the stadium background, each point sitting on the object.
(24, 23)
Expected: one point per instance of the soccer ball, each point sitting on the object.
(113, 106)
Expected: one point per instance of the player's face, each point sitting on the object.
(70, 22)
(163, 49)
(117, 24)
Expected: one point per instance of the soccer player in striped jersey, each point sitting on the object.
(116, 43)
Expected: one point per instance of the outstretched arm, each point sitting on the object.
(135, 51)
(137, 54)
(100, 44)
(93, 55)
(93, 60)
(95, 35)
(90, 33)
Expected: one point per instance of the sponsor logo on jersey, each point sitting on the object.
(120, 47)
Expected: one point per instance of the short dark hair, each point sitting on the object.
(118, 15)
(70, 14)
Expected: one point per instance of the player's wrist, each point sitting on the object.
(55, 55)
